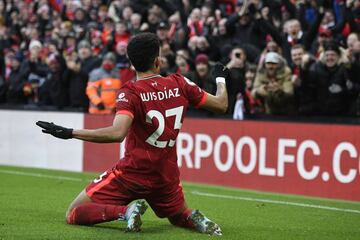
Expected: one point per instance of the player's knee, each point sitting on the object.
(70, 216)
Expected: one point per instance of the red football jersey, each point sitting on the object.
(158, 106)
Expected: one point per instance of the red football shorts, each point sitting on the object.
(111, 188)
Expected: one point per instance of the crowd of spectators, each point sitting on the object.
(286, 57)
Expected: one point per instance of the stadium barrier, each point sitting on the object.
(307, 159)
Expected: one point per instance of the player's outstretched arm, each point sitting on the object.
(219, 102)
(115, 133)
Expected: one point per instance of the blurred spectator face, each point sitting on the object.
(202, 44)
(2, 6)
(166, 49)
(164, 63)
(352, 40)
(84, 53)
(55, 34)
(135, 20)
(93, 15)
(328, 19)
(71, 56)
(34, 33)
(96, 3)
(296, 55)
(53, 63)
(56, 21)
(180, 61)
(52, 48)
(70, 42)
(121, 48)
(102, 13)
(2, 30)
(162, 33)
(108, 25)
(202, 69)
(120, 28)
(293, 28)
(14, 63)
(182, 53)
(192, 43)
(127, 12)
(96, 38)
(238, 57)
(153, 18)
(245, 19)
(271, 69)
(43, 11)
(249, 79)
(73, 5)
(205, 12)
(356, 51)
(86, 4)
(272, 47)
(222, 26)
(356, 4)
(331, 58)
(14, 16)
(324, 37)
(108, 64)
(96, 41)
(35, 52)
(79, 14)
(65, 29)
(195, 15)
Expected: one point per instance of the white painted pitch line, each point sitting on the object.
(42, 175)
(275, 202)
(196, 193)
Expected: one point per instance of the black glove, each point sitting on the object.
(220, 70)
(100, 106)
(55, 130)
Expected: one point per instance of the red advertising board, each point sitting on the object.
(307, 159)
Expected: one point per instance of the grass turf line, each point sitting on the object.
(34, 207)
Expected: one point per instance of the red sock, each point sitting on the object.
(182, 220)
(92, 213)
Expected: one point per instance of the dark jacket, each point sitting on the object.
(15, 84)
(235, 84)
(327, 102)
(249, 34)
(53, 92)
(77, 82)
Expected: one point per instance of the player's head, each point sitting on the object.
(143, 51)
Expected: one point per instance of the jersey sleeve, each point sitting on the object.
(194, 94)
(126, 102)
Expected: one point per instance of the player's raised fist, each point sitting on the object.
(220, 70)
(55, 130)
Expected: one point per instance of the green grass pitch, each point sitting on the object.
(33, 204)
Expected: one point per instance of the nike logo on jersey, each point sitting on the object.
(161, 95)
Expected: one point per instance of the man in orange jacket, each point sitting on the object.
(104, 83)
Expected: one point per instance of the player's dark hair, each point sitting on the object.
(142, 50)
